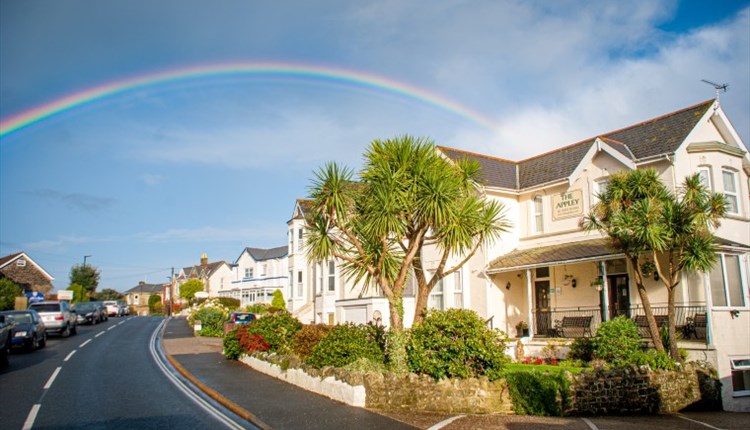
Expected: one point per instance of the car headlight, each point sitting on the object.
(21, 334)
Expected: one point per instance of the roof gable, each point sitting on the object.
(9, 259)
(260, 254)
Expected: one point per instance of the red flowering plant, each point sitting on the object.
(240, 341)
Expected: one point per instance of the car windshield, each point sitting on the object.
(19, 318)
(84, 306)
(46, 307)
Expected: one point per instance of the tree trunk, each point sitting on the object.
(423, 295)
(396, 344)
(652, 327)
(673, 351)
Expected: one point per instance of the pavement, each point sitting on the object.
(271, 404)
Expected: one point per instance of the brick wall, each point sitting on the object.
(27, 276)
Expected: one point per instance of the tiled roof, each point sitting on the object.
(662, 135)
(260, 254)
(496, 172)
(554, 254)
(146, 288)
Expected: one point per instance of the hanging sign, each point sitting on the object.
(567, 205)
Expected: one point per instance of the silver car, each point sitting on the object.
(57, 317)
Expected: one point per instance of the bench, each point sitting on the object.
(573, 326)
(642, 322)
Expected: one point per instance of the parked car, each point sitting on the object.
(88, 313)
(28, 329)
(236, 318)
(113, 309)
(104, 316)
(6, 328)
(124, 309)
(57, 317)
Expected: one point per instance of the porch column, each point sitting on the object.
(605, 290)
(709, 307)
(529, 301)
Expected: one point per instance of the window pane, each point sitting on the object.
(705, 178)
(729, 185)
(732, 203)
(732, 263)
(716, 281)
(542, 272)
(740, 380)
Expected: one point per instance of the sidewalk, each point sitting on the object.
(265, 401)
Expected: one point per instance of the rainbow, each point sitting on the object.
(323, 74)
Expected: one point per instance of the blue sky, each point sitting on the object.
(149, 179)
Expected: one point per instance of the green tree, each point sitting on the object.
(278, 300)
(108, 294)
(8, 293)
(80, 294)
(86, 276)
(656, 228)
(189, 288)
(407, 196)
(153, 300)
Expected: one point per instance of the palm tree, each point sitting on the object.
(407, 196)
(653, 226)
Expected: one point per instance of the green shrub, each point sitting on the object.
(212, 321)
(345, 344)
(232, 349)
(537, 392)
(308, 337)
(455, 343)
(652, 358)
(230, 303)
(582, 348)
(617, 340)
(8, 293)
(278, 330)
(278, 300)
(257, 308)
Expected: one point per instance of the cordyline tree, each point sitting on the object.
(406, 196)
(659, 230)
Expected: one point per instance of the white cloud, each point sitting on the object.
(151, 179)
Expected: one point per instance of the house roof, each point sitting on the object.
(146, 288)
(260, 254)
(657, 136)
(564, 253)
(8, 259)
(209, 269)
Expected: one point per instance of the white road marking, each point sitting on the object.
(591, 425)
(52, 378)
(697, 422)
(100, 333)
(84, 343)
(29, 423)
(70, 355)
(121, 322)
(114, 326)
(445, 422)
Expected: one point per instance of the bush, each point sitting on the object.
(8, 293)
(278, 300)
(278, 330)
(537, 392)
(345, 344)
(582, 348)
(230, 303)
(308, 338)
(617, 340)
(257, 308)
(240, 341)
(652, 358)
(212, 321)
(455, 344)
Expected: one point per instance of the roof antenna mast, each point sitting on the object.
(718, 87)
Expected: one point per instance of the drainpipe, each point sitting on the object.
(605, 289)
(528, 300)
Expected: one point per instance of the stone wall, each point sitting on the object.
(638, 391)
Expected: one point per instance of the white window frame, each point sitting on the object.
(300, 240)
(458, 290)
(743, 282)
(248, 272)
(331, 276)
(537, 214)
(291, 283)
(737, 365)
(290, 233)
(733, 195)
(601, 187)
(705, 175)
(299, 283)
(433, 297)
(321, 278)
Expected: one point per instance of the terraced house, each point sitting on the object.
(563, 282)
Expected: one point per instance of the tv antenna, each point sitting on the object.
(718, 87)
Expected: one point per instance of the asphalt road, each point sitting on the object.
(104, 377)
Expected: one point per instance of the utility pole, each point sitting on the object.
(84, 259)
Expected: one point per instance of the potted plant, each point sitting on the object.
(597, 283)
(522, 329)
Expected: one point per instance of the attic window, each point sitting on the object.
(21, 263)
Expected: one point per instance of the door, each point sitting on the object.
(619, 295)
(543, 315)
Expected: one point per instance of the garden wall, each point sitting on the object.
(641, 391)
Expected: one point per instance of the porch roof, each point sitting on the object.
(555, 255)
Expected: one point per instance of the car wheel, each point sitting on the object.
(4, 353)
(43, 342)
(74, 330)
(34, 344)
(65, 332)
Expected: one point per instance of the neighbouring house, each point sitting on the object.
(26, 273)
(137, 297)
(215, 276)
(561, 281)
(257, 274)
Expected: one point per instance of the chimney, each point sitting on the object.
(204, 259)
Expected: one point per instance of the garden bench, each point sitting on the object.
(642, 323)
(573, 326)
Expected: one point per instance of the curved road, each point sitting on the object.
(104, 377)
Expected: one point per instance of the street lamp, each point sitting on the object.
(84, 259)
